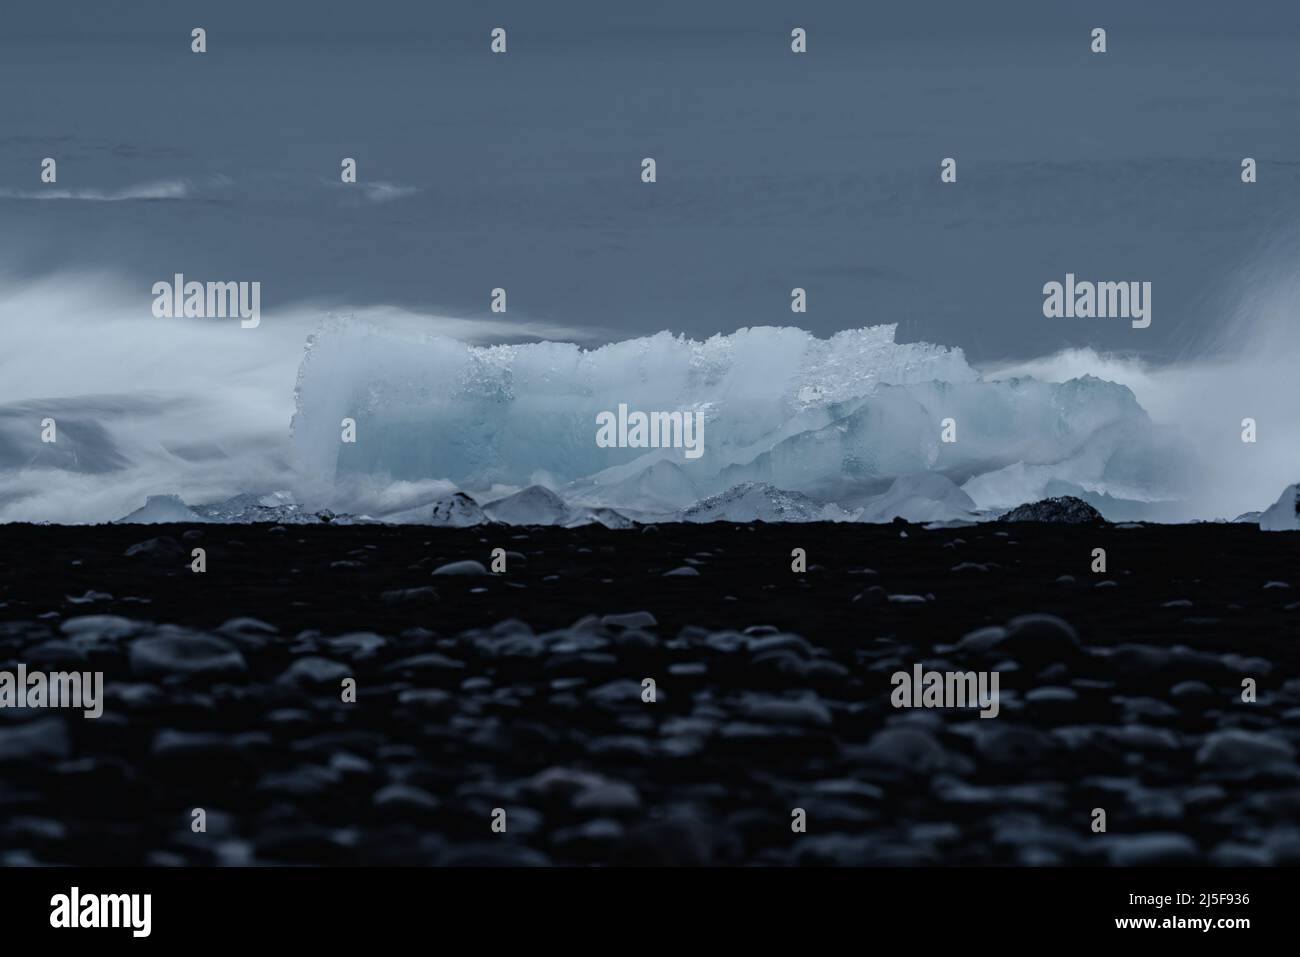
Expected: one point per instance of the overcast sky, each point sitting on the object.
(774, 170)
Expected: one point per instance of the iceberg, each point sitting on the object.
(928, 497)
(162, 509)
(795, 424)
(1284, 514)
(457, 510)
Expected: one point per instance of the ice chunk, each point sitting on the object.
(663, 486)
(928, 497)
(535, 505)
(159, 509)
(1284, 514)
(457, 510)
(759, 502)
(599, 516)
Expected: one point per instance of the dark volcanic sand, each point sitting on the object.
(773, 694)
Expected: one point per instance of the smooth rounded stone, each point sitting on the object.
(590, 835)
(1012, 745)
(409, 596)
(849, 788)
(906, 749)
(244, 626)
(608, 797)
(1204, 795)
(404, 797)
(682, 571)
(1146, 850)
(757, 645)
(313, 672)
(620, 746)
(289, 719)
(726, 642)
(780, 661)
(560, 782)
(172, 744)
(1051, 695)
(493, 854)
(681, 746)
(1243, 665)
(1040, 637)
(1276, 584)
(982, 639)
(1193, 694)
(159, 549)
(1053, 674)
(1139, 710)
(357, 645)
(634, 639)
(466, 567)
(345, 763)
(1157, 806)
(54, 655)
(631, 619)
(843, 850)
(101, 628)
(871, 596)
(430, 699)
(45, 740)
(134, 694)
(1138, 661)
(22, 828)
(522, 644)
(1139, 737)
(574, 642)
(184, 653)
(806, 712)
(1025, 829)
(623, 692)
(1052, 703)
(306, 781)
(825, 670)
(1237, 750)
(688, 669)
(430, 662)
(1231, 854)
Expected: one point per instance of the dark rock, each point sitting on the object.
(185, 653)
(1067, 510)
(42, 740)
(162, 549)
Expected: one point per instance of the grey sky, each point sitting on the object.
(775, 170)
